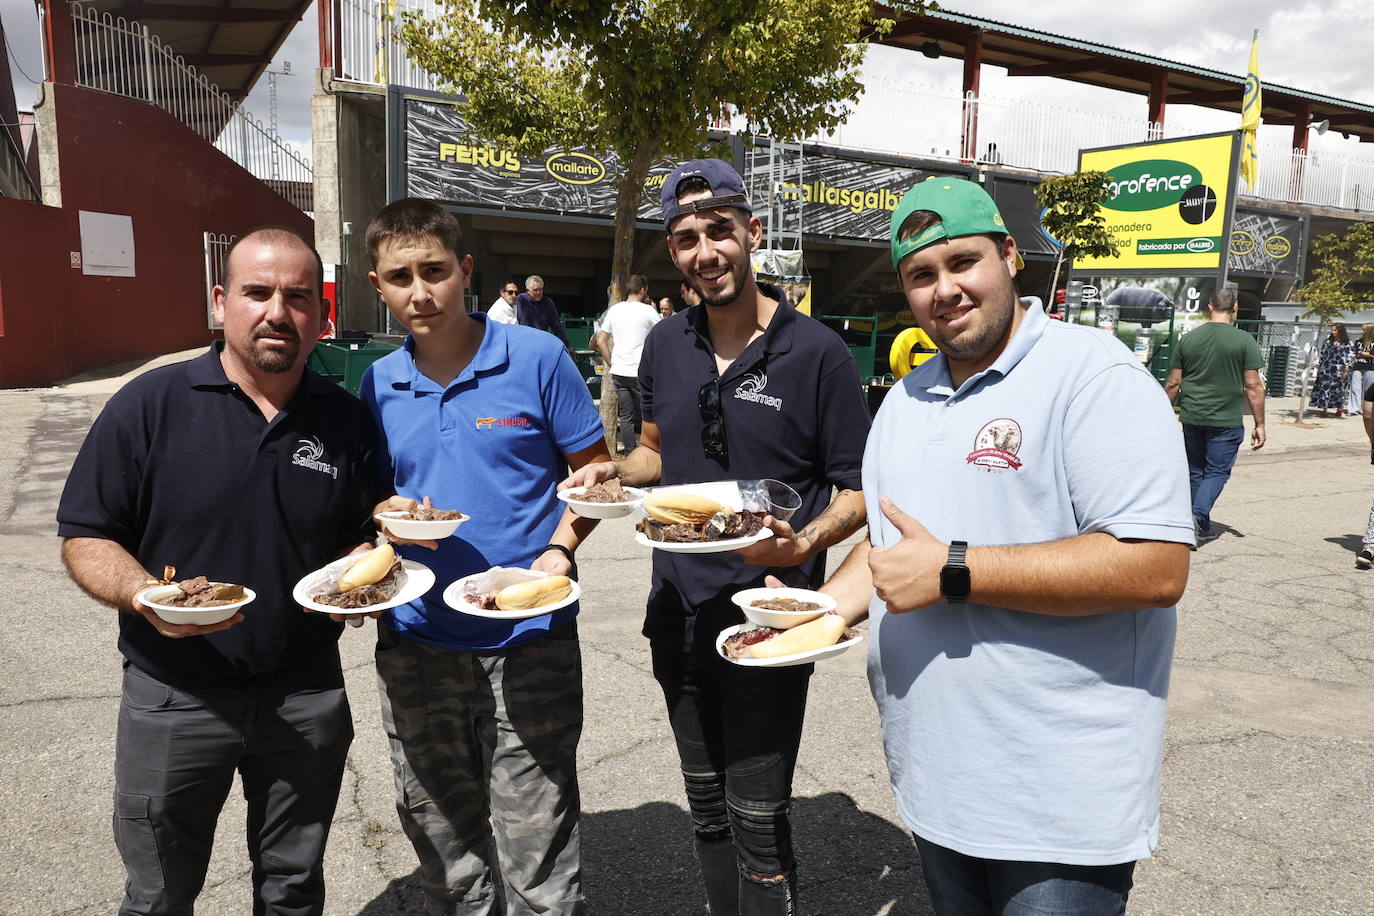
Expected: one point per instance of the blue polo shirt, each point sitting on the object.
(182, 469)
(1012, 735)
(490, 444)
(793, 411)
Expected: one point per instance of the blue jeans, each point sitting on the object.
(737, 731)
(963, 885)
(1211, 455)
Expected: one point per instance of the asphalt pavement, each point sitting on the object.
(1270, 757)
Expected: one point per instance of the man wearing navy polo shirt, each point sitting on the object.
(199, 465)
(1029, 540)
(483, 715)
(740, 386)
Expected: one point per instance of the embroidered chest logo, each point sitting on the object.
(996, 445)
(307, 455)
(494, 422)
(751, 388)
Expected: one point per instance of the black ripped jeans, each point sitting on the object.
(737, 732)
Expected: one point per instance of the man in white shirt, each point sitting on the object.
(503, 309)
(619, 341)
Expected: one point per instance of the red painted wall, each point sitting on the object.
(117, 155)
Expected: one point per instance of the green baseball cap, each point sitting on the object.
(964, 208)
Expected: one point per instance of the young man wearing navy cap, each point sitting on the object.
(201, 465)
(738, 387)
(483, 715)
(1029, 540)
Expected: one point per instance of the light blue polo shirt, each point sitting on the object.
(491, 444)
(1012, 735)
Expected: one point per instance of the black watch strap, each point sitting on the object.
(561, 549)
(955, 582)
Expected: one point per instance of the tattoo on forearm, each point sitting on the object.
(834, 519)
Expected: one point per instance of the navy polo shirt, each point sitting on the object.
(793, 411)
(182, 469)
(541, 315)
(490, 444)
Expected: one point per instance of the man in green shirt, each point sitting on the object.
(1213, 366)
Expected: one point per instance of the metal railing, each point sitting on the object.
(123, 58)
(216, 253)
(15, 180)
(369, 49)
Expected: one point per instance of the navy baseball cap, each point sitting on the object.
(727, 189)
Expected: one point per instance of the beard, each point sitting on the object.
(728, 294)
(996, 313)
(275, 361)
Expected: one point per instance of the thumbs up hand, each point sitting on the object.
(907, 575)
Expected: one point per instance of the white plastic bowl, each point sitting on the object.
(197, 615)
(413, 530)
(601, 510)
(781, 620)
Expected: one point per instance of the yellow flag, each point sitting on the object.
(1250, 108)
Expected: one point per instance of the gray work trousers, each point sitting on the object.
(175, 758)
(484, 751)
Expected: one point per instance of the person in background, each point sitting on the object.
(665, 307)
(620, 339)
(483, 715)
(535, 310)
(1362, 376)
(1214, 373)
(503, 309)
(245, 467)
(1330, 389)
(688, 295)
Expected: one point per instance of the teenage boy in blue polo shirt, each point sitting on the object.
(1031, 523)
(740, 386)
(483, 715)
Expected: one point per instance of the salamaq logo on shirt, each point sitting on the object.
(751, 389)
(308, 454)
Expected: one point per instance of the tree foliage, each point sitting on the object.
(1341, 260)
(643, 78)
(1073, 217)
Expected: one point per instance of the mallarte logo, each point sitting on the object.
(751, 389)
(308, 456)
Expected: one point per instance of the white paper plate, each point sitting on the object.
(702, 546)
(419, 579)
(601, 510)
(413, 530)
(453, 597)
(801, 658)
(197, 615)
(781, 620)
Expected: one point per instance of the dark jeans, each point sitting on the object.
(737, 732)
(175, 758)
(627, 411)
(1211, 455)
(963, 885)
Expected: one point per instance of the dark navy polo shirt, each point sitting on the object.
(793, 411)
(182, 469)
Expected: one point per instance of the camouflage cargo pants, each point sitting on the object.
(484, 749)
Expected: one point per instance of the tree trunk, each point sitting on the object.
(1054, 284)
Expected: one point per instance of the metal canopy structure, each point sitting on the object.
(1025, 52)
(230, 41)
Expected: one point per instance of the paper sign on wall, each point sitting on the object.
(107, 244)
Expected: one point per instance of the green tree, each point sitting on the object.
(644, 78)
(1073, 217)
(1341, 260)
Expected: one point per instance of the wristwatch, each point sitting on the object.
(955, 583)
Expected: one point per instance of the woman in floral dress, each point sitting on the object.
(1331, 390)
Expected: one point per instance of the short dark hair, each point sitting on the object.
(1223, 300)
(638, 283)
(275, 235)
(411, 218)
(692, 183)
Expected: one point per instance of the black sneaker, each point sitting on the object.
(1364, 559)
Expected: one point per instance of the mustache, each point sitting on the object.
(276, 330)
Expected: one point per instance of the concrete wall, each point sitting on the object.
(117, 155)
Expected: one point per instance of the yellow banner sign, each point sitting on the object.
(1170, 203)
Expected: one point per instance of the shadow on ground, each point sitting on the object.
(639, 861)
(1351, 542)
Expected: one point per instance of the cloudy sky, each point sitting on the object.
(1318, 45)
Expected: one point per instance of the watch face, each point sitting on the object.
(955, 581)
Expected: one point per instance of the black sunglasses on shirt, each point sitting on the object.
(713, 432)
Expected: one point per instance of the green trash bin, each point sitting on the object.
(587, 367)
(578, 331)
(344, 360)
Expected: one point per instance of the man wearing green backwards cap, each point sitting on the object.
(1029, 530)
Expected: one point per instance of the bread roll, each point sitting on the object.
(369, 568)
(675, 508)
(824, 631)
(534, 593)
